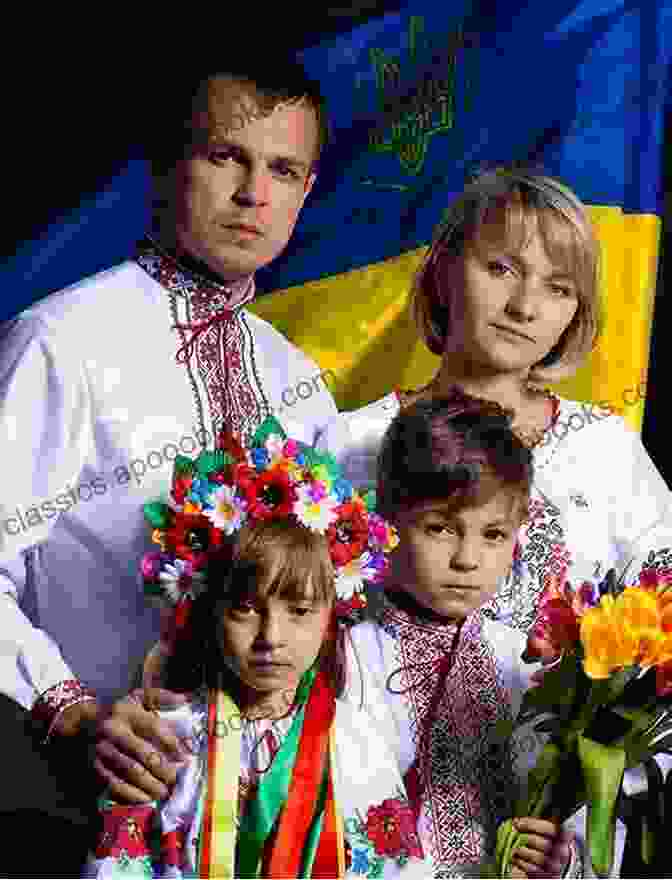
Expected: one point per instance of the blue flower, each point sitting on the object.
(360, 861)
(199, 491)
(300, 458)
(260, 459)
(343, 490)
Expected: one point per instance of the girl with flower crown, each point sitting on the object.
(259, 551)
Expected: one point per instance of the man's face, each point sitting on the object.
(452, 560)
(238, 194)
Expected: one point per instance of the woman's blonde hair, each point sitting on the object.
(514, 200)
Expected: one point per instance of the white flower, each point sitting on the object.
(315, 515)
(226, 512)
(174, 576)
(351, 576)
(274, 445)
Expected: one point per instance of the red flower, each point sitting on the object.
(664, 679)
(269, 494)
(192, 536)
(181, 487)
(650, 579)
(349, 535)
(391, 829)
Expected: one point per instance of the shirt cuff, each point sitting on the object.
(50, 705)
(575, 865)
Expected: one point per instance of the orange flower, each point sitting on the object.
(626, 631)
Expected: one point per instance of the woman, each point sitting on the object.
(508, 297)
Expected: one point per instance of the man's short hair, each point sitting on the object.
(278, 77)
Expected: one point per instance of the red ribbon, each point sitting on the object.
(184, 354)
(295, 820)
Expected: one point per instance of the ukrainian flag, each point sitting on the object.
(419, 100)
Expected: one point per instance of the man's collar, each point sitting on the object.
(205, 295)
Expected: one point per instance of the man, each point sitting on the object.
(101, 386)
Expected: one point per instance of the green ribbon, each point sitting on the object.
(263, 810)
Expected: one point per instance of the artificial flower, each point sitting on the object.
(181, 487)
(227, 512)
(350, 577)
(314, 508)
(349, 534)
(191, 536)
(177, 578)
(260, 458)
(152, 563)
(321, 472)
(274, 446)
(290, 449)
(198, 493)
(342, 489)
(270, 495)
(159, 537)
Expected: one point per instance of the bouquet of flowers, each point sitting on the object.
(605, 700)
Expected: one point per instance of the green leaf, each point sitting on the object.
(507, 841)
(209, 462)
(536, 796)
(269, 426)
(369, 499)
(602, 768)
(183, 465)
(558, 687)
(158, 514)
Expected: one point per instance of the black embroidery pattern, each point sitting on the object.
(462, 778)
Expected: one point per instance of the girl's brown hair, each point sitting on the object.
(274, 557)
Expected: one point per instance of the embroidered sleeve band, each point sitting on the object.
(53, 702)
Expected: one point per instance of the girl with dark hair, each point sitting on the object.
(455, 481)
(261, 558)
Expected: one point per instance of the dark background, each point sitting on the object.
(78, 89)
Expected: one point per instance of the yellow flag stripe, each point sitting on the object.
(357, 324)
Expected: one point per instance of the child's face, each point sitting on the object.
(270, 642)
(451, 559)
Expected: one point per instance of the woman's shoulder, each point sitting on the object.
(583, 425)
(354, 438)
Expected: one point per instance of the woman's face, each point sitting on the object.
(514, 307)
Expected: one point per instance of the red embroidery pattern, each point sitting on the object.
(224, 360)
(391, 829)
(172, 847)
(57, 699)
(461, 783)
(126, 829)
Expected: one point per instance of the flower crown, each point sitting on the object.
(217, 493)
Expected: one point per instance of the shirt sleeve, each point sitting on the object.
(45, 429)
(640, 505)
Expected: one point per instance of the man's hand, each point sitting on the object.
(77, 719)
(546, 852)
(137, 754)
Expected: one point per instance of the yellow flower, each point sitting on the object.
(624, 631)
(159, 537)
(321, 472)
